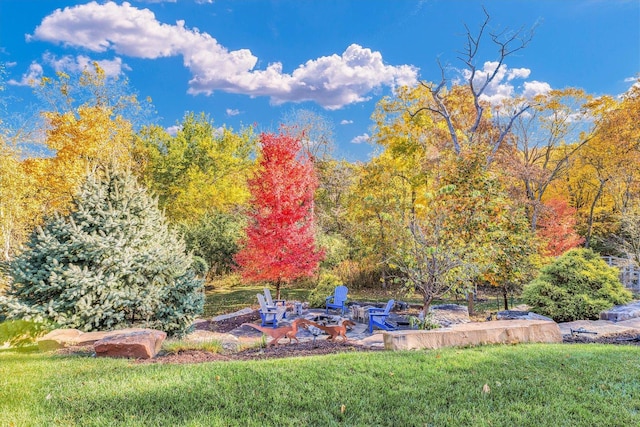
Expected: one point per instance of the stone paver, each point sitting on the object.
(622, 312)
(602, 328)
(631, 323)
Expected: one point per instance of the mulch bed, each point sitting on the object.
(279, 351)
(320, 347)
(227, 325)
(284, 349)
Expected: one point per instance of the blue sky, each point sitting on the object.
(246, 62)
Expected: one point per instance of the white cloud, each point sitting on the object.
(631, 79)
(361, 138)
(534, 88)
(218, 132)
(31, 78)
(346, 122)
(518, 73)
(232, 112)
(112, 68)
(173, 130)
(331, 81)
(502, 86)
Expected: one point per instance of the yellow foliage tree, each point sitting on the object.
(202, 168)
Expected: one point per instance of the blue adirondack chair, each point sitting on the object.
(274, 303)
(378, 317)
(338, 299)
(270, 315)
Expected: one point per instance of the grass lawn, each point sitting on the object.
(528, 385)
(229, 299)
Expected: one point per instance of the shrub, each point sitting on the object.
(214, 238)
(111, 263)
(577, 285)
(19, 333)
(325, 288)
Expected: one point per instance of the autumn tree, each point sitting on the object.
(280, 237)
(202, 169)
(17, 205)
(557, 227)
(314, 130)
(603, 180)
(450, 135)
(544, 141)
(85, 129)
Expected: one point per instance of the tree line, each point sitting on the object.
(462, 191)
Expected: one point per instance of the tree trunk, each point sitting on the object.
(506, 299)
(470, 302)
(278, 289)
(426, 304)
(587, 240)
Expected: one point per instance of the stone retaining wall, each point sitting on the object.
(495, 332)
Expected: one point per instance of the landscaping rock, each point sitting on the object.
(622, 312)
(374, 341)
(631, 323)
(58, 338)
(228, 341)
(449, 314)
(602, 328)
(244, 311)
(520, 315)
(477, 333)
(139, 344)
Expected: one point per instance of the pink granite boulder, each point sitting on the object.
(138, 344)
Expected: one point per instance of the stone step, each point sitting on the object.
(622, 312)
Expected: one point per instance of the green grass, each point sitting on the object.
(176, 346)
(228, 300)
(530, 385)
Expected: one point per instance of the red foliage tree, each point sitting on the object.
(557, 227)
(280, 238)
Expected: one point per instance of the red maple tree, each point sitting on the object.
(280, 238)
(557, 227)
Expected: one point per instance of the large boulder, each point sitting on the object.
(621, 313)
(139, 344)
(477, 333)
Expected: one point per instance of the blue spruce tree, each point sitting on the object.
(111, 263)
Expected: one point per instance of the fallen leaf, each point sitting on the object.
(486, 389)
(342, 409)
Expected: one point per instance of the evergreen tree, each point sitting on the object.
(111, 263)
